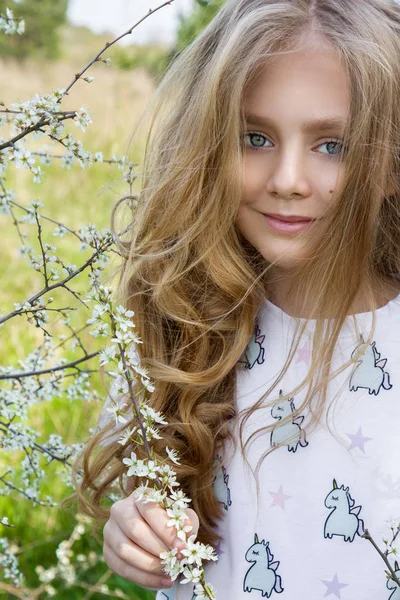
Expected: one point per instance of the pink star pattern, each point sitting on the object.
(334, 587)
(303, 354)
(358, 440)
(279, 498)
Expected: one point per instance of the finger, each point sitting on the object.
(132, 553)
(132, 573)
(135, 529)
(194, 520)
(157, 519)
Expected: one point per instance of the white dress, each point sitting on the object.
(320, 489)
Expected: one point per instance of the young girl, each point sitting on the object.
(264, 275)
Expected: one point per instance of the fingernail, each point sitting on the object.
(166, 582)
(178, 544)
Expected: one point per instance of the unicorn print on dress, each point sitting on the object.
(254, 353)
(289, 433)
(392, 585)
(262, 574)
(220, 483)
(369, 372)
(343, 520)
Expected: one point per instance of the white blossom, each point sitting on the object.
(23, 158)
(172, 455)
(82, 118)
(192, 575)
(10, 26)
(116, 411)
(200, 593)
(107, 354)
(126, 436)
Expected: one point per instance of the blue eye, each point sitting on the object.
(259, 144)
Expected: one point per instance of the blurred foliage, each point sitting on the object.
(154, 59)
(43, 19)
(191, 26)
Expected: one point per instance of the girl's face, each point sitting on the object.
(296, 114)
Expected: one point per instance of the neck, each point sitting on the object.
(279, 284)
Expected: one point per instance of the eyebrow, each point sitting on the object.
(326, 124)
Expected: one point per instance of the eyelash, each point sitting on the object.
(250, 133)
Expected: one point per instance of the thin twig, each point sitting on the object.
(50, 370)
(108, 45)
(368, 537)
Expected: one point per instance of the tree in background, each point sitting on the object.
(43, 20)
(155, 59)
(191, 26)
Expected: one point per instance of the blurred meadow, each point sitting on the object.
(74, 197)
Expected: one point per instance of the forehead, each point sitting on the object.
(299, 87)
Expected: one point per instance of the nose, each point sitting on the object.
(288, 178)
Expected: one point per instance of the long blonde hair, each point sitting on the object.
(195, 284)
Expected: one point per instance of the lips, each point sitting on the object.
(287, 224)
(288, 218)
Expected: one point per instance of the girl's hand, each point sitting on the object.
(134, 537)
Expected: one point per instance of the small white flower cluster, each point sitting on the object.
(21, 158)
(34, 312)
(45, 108)
(39, 106)
(66, 568)
(120, 162)
(11, 26)
(130, 375)
(9, 562)
(91, 237)
(17, 396)
(6, 197)
(393, 545)
(84, 157)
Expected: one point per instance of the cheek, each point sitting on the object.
(254, 178)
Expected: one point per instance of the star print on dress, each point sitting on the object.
(254, 353)
(334, 587)
(392, 585)
(358, 440)
(343, 519)
(262, 575)
(369, 373)
(279, 498)
(290, 434)
(303, 354)
(383, 485)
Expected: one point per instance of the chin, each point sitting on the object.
(286, 260)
